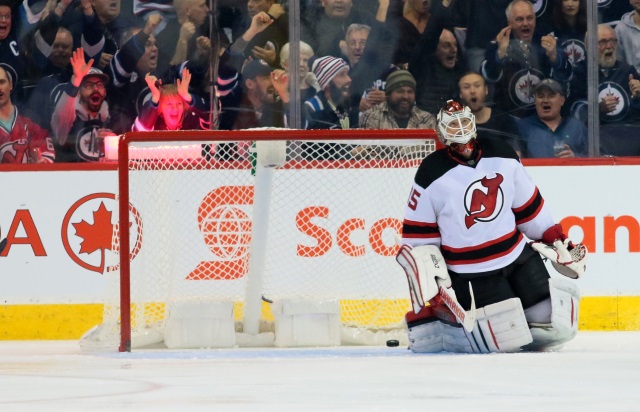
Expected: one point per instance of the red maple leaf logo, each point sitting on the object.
(97, 236)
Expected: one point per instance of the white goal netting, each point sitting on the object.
(320, 217)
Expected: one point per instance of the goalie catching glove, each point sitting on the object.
(568, 259)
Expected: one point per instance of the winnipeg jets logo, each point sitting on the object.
(523, 85)
(483, 200)
(88, 146)
(539, 6)
(621, 97)
(574, 50)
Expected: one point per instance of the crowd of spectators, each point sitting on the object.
(74, 71)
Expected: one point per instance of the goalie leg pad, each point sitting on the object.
(501, 327)
(428, 333)
(565, 298)
(423, 265)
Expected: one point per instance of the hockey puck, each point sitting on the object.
(392, 343)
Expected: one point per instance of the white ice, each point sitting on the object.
(598, 371)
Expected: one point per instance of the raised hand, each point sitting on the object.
(187, 30)
(203, 45)
(266, 53)
(183, 85)
(105, 58)
(549, 43)
(79, 66)
(503, 39)
(153, 83)
(87, 8)
(259, 22)
(280, 82)
(152, 23)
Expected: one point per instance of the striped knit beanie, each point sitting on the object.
(325, 68)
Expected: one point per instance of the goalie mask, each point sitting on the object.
(457, 128)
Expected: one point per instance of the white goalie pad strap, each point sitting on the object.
(568, 261)
(501, 327)
(438, 336)
(423, 265)
(565, 299)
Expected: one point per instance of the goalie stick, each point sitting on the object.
(467, 319)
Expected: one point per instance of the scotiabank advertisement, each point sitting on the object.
(59, 225)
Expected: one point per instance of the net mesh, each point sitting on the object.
(334, 219)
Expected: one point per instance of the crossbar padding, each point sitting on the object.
(271, 153)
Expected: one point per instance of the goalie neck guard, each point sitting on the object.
(456, 124)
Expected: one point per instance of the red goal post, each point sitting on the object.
(200, 225)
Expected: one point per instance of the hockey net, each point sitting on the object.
(315, 218)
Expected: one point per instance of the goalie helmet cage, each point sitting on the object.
(316, 217)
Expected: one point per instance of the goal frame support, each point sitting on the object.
(221, 136)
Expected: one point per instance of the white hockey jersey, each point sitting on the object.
(476, 212)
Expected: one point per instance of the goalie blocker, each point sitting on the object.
(503, 326)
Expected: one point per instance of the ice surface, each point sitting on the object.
(598, 371)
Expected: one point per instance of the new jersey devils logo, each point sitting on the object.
(483, 200)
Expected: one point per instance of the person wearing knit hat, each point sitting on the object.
(331, 107)
(399, 111)
(397, 79)
(327, 67)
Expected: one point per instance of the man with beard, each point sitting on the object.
(547, 133)
(81, 113)
(331, 107)
(618, 96)
(518, 64)
(399, 111)
(261, 106)
(490, 121)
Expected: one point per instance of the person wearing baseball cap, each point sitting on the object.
(80, 116)
(260, 105)
(399, 111)
(547, 133)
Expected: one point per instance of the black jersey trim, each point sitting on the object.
(412, 229)
(530, 209)
(483, 252)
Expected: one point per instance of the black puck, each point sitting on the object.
(392, 343)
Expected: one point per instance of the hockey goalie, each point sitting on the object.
(477, 228)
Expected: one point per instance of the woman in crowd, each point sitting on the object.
(171, 107)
